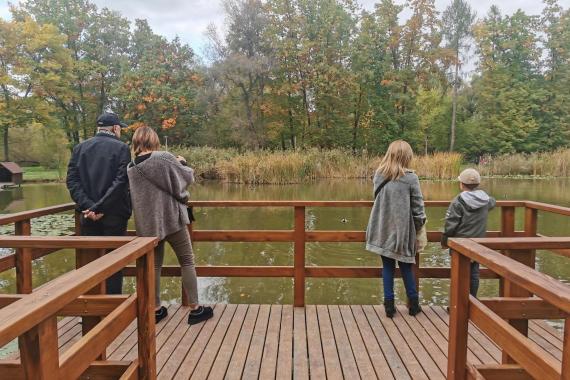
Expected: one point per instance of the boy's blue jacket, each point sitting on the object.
(467, 215)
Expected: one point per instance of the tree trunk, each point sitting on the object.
(356, 121)
(454, 111)
(6, 153)
(102, 94)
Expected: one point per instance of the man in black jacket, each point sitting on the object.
(98, 184)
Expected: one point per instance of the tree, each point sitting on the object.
(508, 87)
(160, 88)
(244, 64)
(98, 40)
(457, 21)
(34, 66)
(554, 115)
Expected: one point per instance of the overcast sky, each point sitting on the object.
(188, 19)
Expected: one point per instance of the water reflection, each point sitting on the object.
(277, 290)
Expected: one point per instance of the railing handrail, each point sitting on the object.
(355, 203)
(36, 213)
(544, 286)
(521, 243)
(31, 214)
(63, 242)
(554, 209)
(24, 314)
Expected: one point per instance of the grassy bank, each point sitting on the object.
(264, 167)
(41, 174)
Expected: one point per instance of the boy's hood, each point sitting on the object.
(475, 199)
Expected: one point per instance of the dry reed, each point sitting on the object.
(284, 167)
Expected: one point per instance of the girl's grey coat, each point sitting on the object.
(158, 213)
(398, 213)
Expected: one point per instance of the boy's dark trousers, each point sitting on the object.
(107, 226)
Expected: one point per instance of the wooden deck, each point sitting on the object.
(274, 341)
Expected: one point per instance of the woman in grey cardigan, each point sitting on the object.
(158, 183)
(396, 217)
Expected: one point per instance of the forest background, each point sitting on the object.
(316, 82)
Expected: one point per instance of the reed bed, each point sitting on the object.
(548, 164)
(286, 167)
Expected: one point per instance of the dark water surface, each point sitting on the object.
(319, 291)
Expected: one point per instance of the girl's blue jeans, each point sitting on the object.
(388, 269)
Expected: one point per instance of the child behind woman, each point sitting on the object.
(467, 216)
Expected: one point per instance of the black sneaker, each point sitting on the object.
(160, 314)
(200, 314)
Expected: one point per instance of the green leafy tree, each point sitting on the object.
(34, 67)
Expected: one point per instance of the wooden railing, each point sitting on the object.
(32, 317)
(23, 257)
(31, 314)
(299, 236)
(524, 294)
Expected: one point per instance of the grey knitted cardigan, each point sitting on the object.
(397, 214)
(158, 213)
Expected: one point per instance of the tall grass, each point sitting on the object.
(549, 164)
(266, 167)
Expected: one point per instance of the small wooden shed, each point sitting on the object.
(11, 173)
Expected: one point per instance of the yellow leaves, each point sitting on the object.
(169, 123)
(385, 82)
(136, 125)
(141, 107)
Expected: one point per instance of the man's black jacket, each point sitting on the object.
(97, 176)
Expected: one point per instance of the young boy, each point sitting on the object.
(467, 216)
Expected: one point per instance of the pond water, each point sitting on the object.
(276, 290)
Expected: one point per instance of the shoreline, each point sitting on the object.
(223, 180)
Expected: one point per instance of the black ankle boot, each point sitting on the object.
(390, 308)
(415, 307)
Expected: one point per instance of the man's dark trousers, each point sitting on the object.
(107, 226)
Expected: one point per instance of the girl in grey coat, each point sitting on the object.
(396, 217)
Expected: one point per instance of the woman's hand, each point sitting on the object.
(181, 159)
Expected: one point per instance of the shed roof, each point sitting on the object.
(13, 167)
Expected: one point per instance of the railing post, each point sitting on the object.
(458, 316)
(82, 258)
(530, 230)
(145, 316)
(507, 230)
(24, 260)
(566, 351)
(507, 221)
(299, 260)
(530, 222)
(39, 351)
(77, 218)
(527, 257)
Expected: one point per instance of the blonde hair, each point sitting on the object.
(396, 160)
(145, 139)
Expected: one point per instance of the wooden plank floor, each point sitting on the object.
(275, 341)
